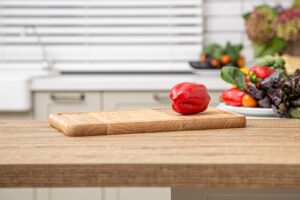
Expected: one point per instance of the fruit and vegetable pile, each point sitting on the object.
(214, 56)
(271, 29)
(264, 85)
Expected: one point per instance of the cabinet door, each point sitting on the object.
(135, 100)
(49, 102)
(214, 98)
(144, 193)
(16, 194)
(75, 194)
(139, 100)
(137, 193)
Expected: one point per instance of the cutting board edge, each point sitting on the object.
(236, 121)
(58, 121)
(233, 121)
(74, 130)
(52, 120)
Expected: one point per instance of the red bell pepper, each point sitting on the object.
(260, 73)
(233, 97)
(189, 98)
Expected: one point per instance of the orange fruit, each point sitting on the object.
(225, 59)
(241, 62)
(202, 57)
(248, 101)
(215, 63)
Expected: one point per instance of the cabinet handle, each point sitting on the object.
(161, 97)
(67, 98)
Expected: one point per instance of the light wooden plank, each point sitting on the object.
(142, 121)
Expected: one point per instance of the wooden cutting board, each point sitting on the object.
(142, 121)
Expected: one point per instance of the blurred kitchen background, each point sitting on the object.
(83, 55)
(88, 55)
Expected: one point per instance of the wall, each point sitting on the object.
(223, 21)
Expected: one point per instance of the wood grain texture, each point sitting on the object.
(265, 154)
(142, 121)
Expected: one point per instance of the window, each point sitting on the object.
(101, 35)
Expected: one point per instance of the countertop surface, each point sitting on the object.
(265, 154)
(122, 82)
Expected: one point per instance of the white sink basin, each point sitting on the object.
(15, 93)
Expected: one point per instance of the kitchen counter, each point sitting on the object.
(266, 154)
(125, 82)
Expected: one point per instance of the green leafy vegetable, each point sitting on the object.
(275, 62)
(233, 75)
(296, 3)
(233, 51)
(270, 11)
(214, 50)
(295, 112)
(275, 46)
(246, 16)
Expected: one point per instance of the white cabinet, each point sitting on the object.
(16, 194)
(50, 102)
(137, 193)
(214, 98)
(139, 100)
(86, 194)
(135, 100)
(144, 194)
(52, 194)
(75, 194)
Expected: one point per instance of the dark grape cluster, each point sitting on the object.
(280, 92)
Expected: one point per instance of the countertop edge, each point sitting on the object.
(155, 175)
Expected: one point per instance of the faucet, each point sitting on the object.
(31, 31)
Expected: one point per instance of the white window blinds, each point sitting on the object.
(102, 35)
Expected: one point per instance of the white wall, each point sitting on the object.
(223, 21)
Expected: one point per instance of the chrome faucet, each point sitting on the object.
(31, 31)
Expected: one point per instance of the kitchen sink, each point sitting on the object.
(15, 90)
(15, 93)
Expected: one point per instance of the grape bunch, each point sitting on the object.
(280, 92)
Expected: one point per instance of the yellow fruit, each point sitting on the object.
(244, 70)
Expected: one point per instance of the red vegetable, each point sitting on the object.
(189, 98)
(260, 72)
(233, 97)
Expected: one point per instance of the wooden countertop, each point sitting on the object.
(266, 154)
